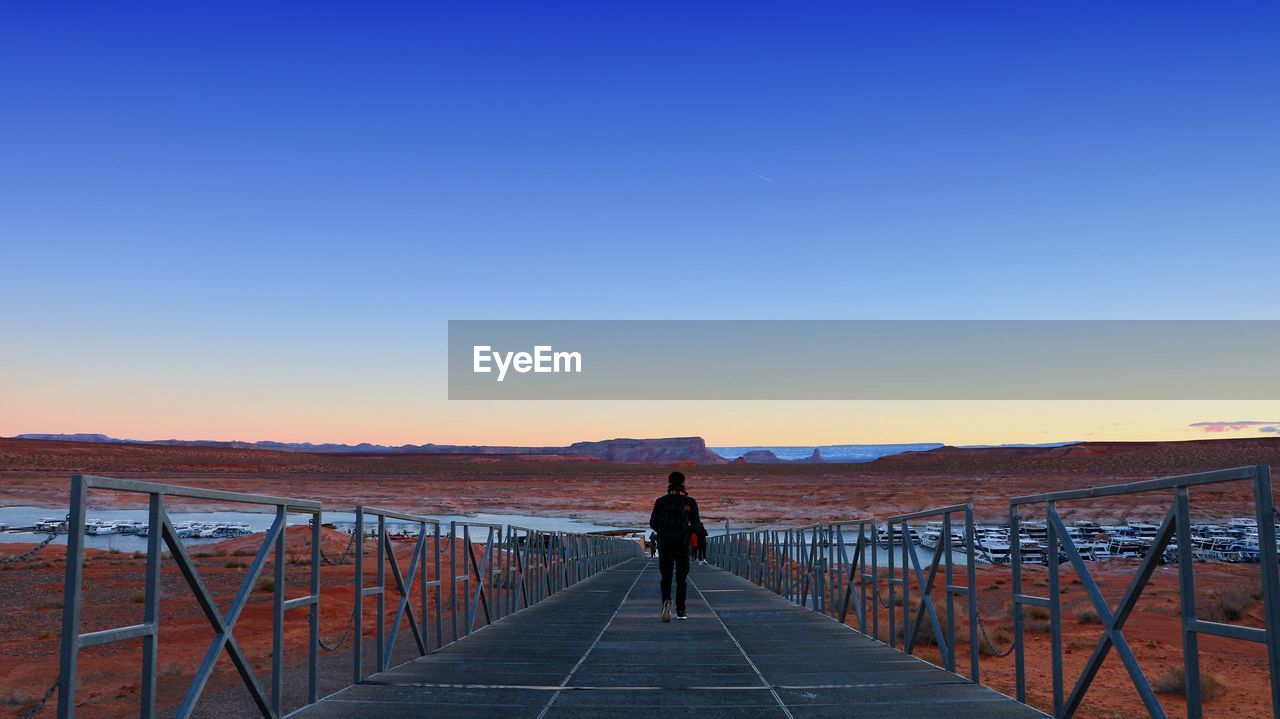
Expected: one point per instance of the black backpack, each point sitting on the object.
(673, 520)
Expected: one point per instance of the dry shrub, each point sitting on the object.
(1000, 637)
(17, 697)
(1088, 616)
(924, 630)
(1229, 604)
(1174, 681)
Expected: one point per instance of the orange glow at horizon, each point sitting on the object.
(289, 415)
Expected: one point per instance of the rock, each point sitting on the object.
(815, 458)
(649, 451)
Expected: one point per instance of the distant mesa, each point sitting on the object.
(765, 456)
(760, 456)
(649, 451)
(821, 454)
(686, 451)
(815, 458)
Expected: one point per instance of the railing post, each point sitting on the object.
(357, 649)
(970, 540)
(1015, 554)
(892, 612)
(277, 614)
(1187, 589)
(71, 586)
(467, 559)
(313, 616)
(381, 601)
(453, 578)
(1055, 606)
(151, 613)
(420, 552)
(1270, 578)
(875, 583)
(949, 578)
(908, 627)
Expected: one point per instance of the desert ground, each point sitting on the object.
(34, 473)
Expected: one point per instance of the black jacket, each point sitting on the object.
(691, 507)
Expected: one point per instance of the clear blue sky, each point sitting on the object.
(300, 195)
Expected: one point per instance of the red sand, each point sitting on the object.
(30, 620)
(37, 473)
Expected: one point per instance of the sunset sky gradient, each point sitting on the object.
(247, 221)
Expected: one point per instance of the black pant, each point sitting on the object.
(674, 555)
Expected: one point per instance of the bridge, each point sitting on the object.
(598, 649)
(789, 622)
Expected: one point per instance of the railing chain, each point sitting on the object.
(40, 704)
(995, 651)
(11, 559)
(31, 552)
(346, 553)
(342, 640)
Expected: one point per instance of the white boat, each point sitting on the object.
(102, 526)
(1144, 530)
(992, 550)
(1128, 547)
(1094, 551)
(886, 537)
(50, 525)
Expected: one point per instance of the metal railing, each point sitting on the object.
(855, 577)
(385, 557)
(499, 569)
(943, 635)
(493, 570)
(481, 575)
(161, 530)
(788, 562)
(1175, 528)
(812, 567)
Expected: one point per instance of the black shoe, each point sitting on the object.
(681, 616)
(666, 611)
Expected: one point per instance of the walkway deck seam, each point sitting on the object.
(596, 643)
(736, 643)
(597, 650)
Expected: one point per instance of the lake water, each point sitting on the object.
(261, 522)
(258, 522)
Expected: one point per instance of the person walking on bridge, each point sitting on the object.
(674, 519)
(700, 543)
